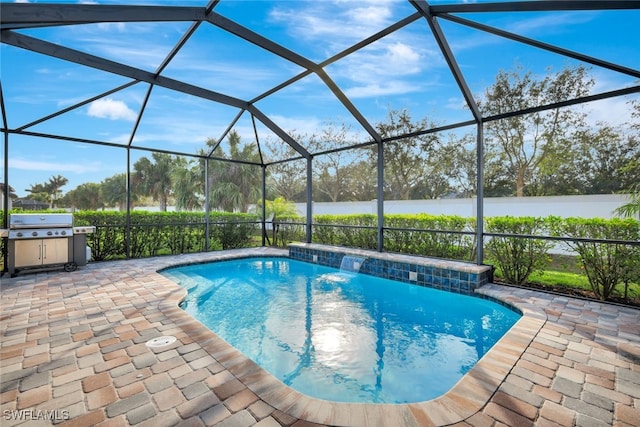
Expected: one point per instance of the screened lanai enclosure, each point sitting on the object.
(229, 112)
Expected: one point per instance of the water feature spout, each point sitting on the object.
(351, 263)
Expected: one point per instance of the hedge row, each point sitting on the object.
(154, 233)
(447, 236)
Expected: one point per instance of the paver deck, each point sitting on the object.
(73, 353)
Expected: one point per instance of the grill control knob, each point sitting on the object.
(49, 233)
(34, 233)
(63, 232)
(19, 234)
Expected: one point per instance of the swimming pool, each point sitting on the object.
(343, 337)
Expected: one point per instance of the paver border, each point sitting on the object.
(467, 397)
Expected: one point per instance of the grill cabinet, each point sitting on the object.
(38, 241)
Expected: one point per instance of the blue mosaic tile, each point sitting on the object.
(430, 276)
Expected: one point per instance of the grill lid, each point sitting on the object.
(56, 220)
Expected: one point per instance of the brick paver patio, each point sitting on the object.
(74, 353)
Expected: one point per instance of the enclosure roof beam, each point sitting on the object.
(275, 48)
(226, 131)
(535, 6)
(568, 103)
(278, 131)
(185, 37)
(133, 147)
(425, 10)
(542, 45)
(26, 15)
(392, 28)
(78, 105)
(348, 105)
(167, 60)
(72, 55)
(258, 40)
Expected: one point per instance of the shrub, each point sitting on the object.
(184, 232)
(605, 264)
(108, 240)
(406, 234)
(518, 257)
(233, 230)
(356, 231)
(146, 236)
(290, 229)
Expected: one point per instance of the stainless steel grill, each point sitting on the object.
(37, 241)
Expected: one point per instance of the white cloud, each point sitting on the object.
(403, 57)
(386, 68)
(548, 23)
(111, 109)
(112, 26)
(375, 14)
(612, 111)
(456, 103)
(299, 125)
(34, 165)
(392, 87)
(335, 24)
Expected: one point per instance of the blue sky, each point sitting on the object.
(402, 70)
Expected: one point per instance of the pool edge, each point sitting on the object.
(467, 397)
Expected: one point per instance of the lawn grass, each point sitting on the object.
(561, 278)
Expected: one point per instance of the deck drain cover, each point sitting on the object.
(161, 341)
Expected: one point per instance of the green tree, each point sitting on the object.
(153, 178)
(188, 186)
(54, 188)
(233, 186)
(526, 142)
(457, 161)
(50, 191)
(361, 181)
(38, 192)
(86, 196)
(331, 176)
(286, 179)
(114, 191)
(278, 207)
(408, 161)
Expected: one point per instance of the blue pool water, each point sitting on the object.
(342, 336)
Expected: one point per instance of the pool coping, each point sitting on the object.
(467, 397)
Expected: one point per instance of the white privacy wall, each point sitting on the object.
(593, 206)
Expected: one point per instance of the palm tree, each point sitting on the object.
(114, 191)
(154, 178)
(233, 185)
(187, 184)
(54, 188)
(48, 192)
(632, 208)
